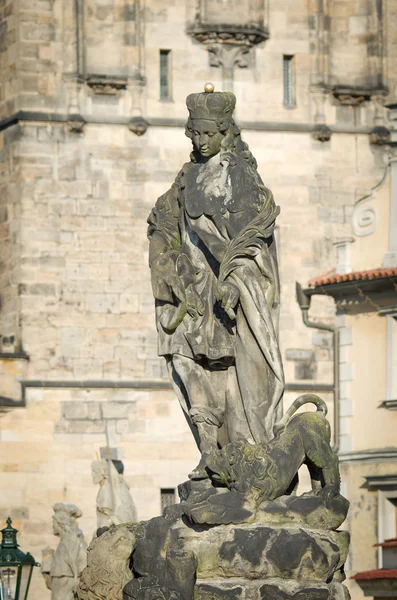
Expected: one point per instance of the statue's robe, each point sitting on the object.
(217, 224)
(68, 562)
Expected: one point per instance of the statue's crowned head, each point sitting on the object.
(211, 106)
(210, 118)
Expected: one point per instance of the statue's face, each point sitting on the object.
(206, 137)
(98, 476)
(99, 471)
(56, 528)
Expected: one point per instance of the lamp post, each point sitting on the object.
(15, 566)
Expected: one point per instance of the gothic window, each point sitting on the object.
(387, 509)
(289, 80)
(167, 497)
(386, 486)
(165, 74)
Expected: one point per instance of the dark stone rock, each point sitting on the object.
(219, 509)
(217, 592)
(287, 551)
(273, 592)
(151, 538)
(314, 509)
(248, 543)
(301, 555)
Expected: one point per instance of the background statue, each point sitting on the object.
(215, 280)
(62, 568)
(114, 502)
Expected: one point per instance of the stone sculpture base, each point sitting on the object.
(177, 559)
(242, 532)
(268, 589)
(259, 562)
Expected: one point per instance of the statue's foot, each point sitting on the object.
(200, 472)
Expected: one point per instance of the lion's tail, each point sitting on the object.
(304, 399)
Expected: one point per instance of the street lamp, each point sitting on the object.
(15, 566)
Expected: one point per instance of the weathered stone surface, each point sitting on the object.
(251, 561)
(256, 551)
(312, 509)
(107, 569)
(270, 591)
(212, 591)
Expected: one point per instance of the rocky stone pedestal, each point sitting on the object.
(268, 589)
(264, 562)
(242, 533)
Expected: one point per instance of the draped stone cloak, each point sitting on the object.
(68, 563)
(217, 225)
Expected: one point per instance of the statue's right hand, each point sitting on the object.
(228, 295)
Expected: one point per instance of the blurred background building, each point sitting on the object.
(92, 109)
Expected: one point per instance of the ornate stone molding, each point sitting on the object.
(228, 56)
(379, 135)
(235, 35)
(228, 45)
(75, 124)
(103, 84)
(321, 131)
(138, 125)
(354, 96)
(364, 217)
(381, 455)
(381, 482)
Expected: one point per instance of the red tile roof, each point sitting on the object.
(332, 277)
(389, 543)
(376, 574)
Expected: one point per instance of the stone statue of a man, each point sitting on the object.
(114, 502)
(215, 280)
(62, 568)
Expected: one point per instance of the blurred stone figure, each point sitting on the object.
(114, 502)
(107, 570)
(62, 568)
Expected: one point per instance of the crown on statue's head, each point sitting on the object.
(210, 105)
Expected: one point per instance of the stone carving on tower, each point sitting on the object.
(230, 34)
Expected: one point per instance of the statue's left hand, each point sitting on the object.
(228, 295)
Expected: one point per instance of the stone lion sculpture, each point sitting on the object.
(268, 471)
(107, 570)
